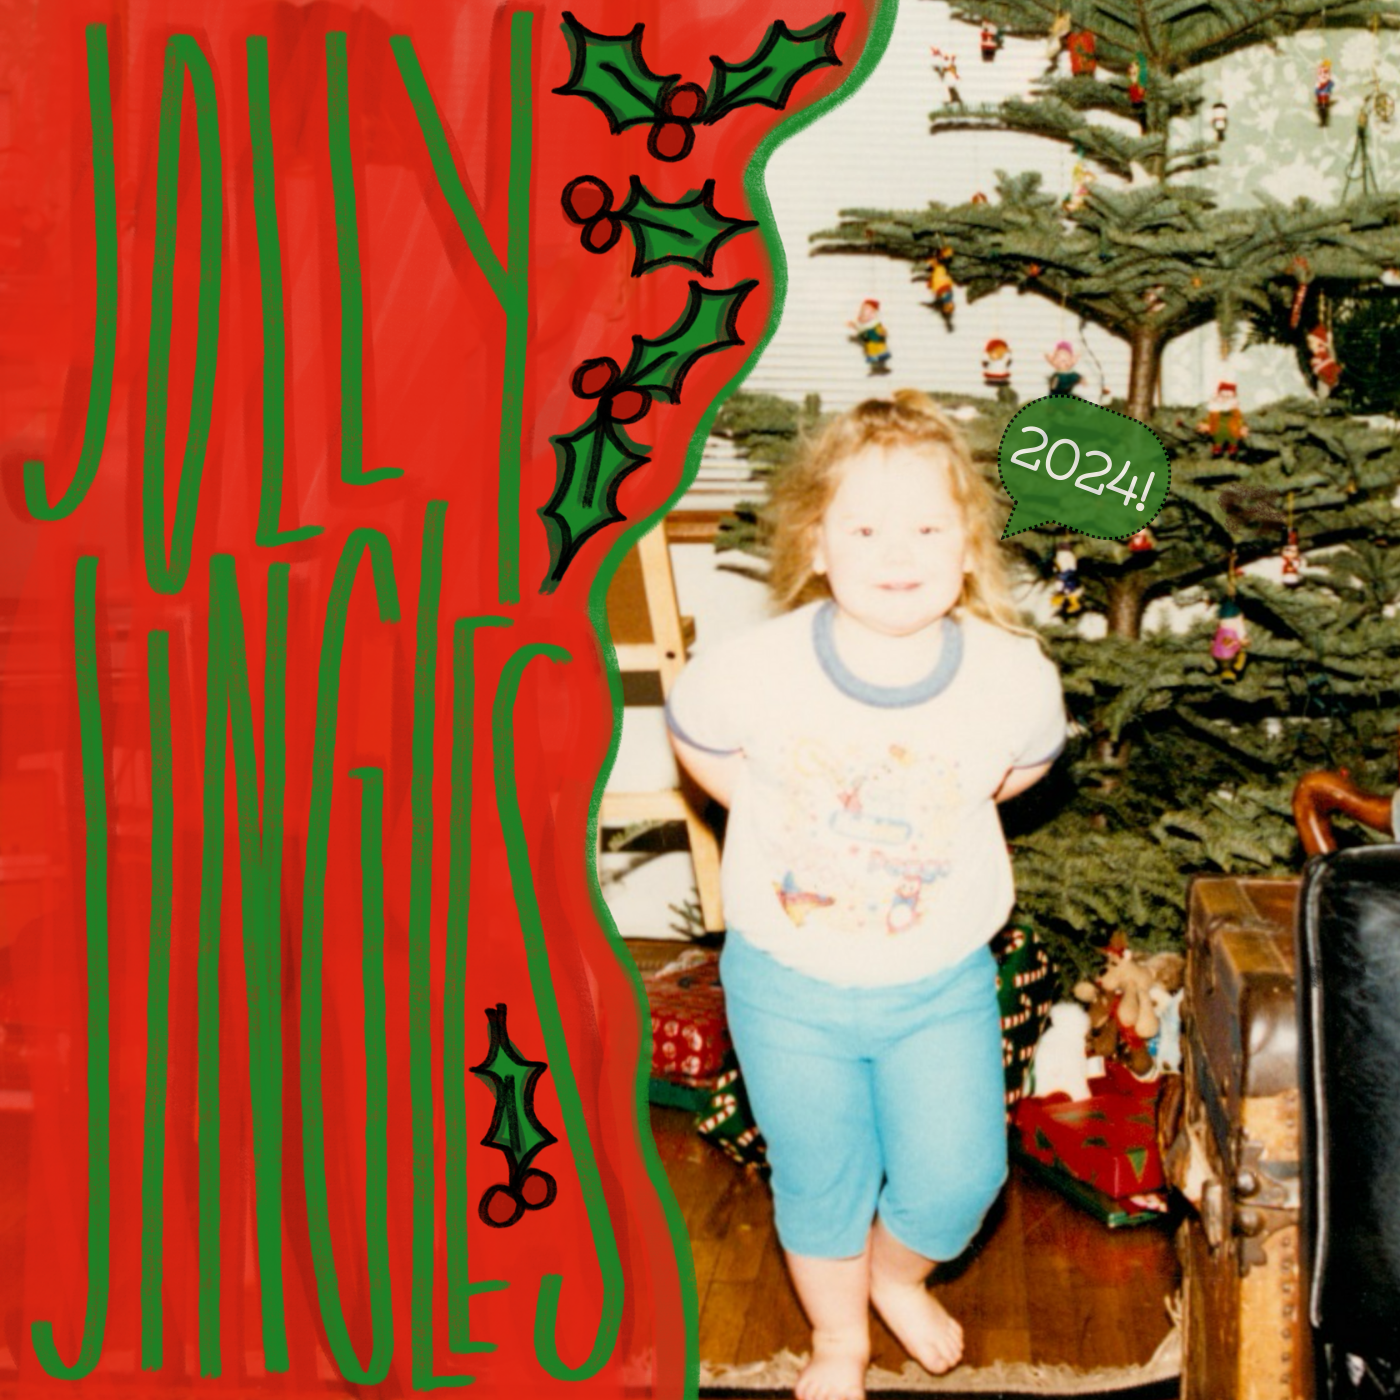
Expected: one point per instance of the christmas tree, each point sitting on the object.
(1174, 768)
(1280, 530)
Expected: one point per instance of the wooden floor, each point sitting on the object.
(1045, 1283)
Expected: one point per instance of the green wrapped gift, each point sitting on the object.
(1025, 993)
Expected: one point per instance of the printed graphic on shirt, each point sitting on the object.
(870, 828)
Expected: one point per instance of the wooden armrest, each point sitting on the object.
(1318, 795)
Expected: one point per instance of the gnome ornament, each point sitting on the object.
(868, 331)
(996, 367)
(1228, 646)
(1224, 423)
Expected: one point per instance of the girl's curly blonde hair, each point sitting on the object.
(804, 490)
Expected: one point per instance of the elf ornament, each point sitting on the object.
(996, 367)
(1322, 359)
(940, 285)
(1067, 596)
(1065, 378)
(869, 333)
(1322, 91)
(989, 41)
(1224, 423)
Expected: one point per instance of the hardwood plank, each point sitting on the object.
(1045, 1283)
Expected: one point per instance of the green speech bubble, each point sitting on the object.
(1072, 463)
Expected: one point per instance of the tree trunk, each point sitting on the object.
(1125, 608)
(1146, 345)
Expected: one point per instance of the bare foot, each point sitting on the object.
(837, 1368)
(927, 1332)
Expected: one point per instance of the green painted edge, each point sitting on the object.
(881, 27)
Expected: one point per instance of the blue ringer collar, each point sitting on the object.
(887, 697)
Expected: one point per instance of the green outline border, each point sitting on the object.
(877, 41)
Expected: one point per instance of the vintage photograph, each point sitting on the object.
(987, 893)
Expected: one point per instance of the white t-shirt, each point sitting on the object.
(864, 847)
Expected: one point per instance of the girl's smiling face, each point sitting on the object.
(893, 541)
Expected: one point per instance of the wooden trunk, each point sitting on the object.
(1236, 1154)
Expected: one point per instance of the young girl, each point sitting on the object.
(862, 741)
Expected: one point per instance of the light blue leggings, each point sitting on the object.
(883, 1100)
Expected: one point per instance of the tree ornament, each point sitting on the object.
(1323, 89)
(869, 333)
(940, 284)
(1078, 197)
(1055, 38)
(990, 40)
(1065, 378)
(1219, 119)
(1365, 338)
(1302, 274)
(1067, 596)
(1292, 560)
(1153, 299)
(1224, 423)
(1083, 60)
(996, 367)
(978, 198)
(1143, 542)
(945, 67)
(1230, 644)
(1137, 80)
(1322, 359)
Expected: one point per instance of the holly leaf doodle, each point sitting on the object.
(611, 73)
(768, 76)
(707, 324)
(511, 1077)
(595, 458)
(689, 232)
(593, 461)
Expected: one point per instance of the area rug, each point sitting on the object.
(1156, 1380)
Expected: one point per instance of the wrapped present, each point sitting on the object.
(1025, 994)
(727, 1121)
(689, 1037)
(1108, 1141)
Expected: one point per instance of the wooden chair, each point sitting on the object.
(651, 637)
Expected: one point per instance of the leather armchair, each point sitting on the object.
(1348, 984)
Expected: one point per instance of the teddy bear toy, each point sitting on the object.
(1135, 991)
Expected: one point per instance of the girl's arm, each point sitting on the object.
(1018, 780)
(717, 773)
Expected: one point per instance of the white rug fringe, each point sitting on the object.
(781, 1371)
